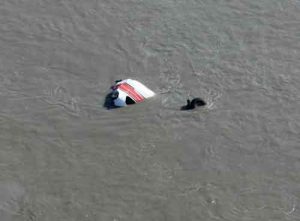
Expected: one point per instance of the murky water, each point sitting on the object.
(64, 157)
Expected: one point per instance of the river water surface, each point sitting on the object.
(64, 157)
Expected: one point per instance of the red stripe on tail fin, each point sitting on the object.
(131, 92)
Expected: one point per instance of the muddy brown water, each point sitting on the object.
(64, 157)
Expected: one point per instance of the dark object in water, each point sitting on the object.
(194, 103)
(109, 101)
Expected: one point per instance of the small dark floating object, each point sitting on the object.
(196, 102)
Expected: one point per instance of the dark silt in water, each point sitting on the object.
(65, 157)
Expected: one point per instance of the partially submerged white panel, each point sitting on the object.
(140, 88)
(130, 91)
